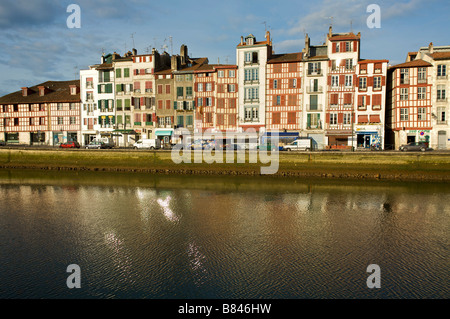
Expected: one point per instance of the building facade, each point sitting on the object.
(45, 114)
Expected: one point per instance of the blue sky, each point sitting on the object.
(36, 45)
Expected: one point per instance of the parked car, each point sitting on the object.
(97, 145)
(299, 145)
(415, 146)
(147, 143)
(2, 143)
(72, 144)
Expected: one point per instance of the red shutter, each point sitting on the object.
(142, 101)
(340, 118)
(334, 49)
(342, 62)
(195, 87)
(341, 79)
(212, 101)
(212, 86)
(370, 81)
(299, 82)
(236, 86)
(383, 80)
(329, 80)
(360, 100)
(283, 100)
(355, 46)
(368, 100)
(271, 84)
(274, 100)
(327, 118)
(355, 80)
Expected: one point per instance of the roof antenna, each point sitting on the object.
(265, 26)
(132, 37)
(351, 26)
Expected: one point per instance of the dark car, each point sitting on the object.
(415, 146)
(2, 143)
(72, 144)
(96, 145)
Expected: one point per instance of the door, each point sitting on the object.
(367, 141)
(442, 140)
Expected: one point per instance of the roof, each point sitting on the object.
(58, 91)
(372, 61)
(441, 55)
(344, 36)
(105, 66)
(288, 57)
(412, 64)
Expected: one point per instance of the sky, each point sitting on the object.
(36, 44)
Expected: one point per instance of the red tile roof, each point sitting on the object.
(412, 64)
(57, 91)
(288, 57)
(342, 37)
(441, 55)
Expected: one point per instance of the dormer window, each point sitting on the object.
(73, 90)
(41, 90)
(24, 91)
(250, 40)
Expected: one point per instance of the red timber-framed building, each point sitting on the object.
(216, 96)
(284, 96)
(48, 113)
(409, 99)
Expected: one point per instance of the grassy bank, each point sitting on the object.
(368, 165)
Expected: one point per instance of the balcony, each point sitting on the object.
(314, 89)
(317, 126)
(362, 107)
(441, 100)
(251, 82)
(442, 77)
(255, 100)
(317, 72)
(441, 122)
(314, 107)
(148, 123)
(421, 81)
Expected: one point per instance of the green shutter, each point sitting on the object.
(109, 88)
(106, 76)
(118, 87)
(119, 119)
(126, 72)
(127, 103)
(99, 88)
(179, 91)
(118, 73)
(308, 121)
(174, 105)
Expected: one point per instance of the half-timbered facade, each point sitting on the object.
(48, 113)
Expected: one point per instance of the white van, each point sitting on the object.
(148, 143)
(303, 144)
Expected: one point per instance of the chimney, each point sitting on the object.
(25, 91)
(307, 45)
(184, 54)
(102, 59)
(330, 31)
(42, 90)
(430, 48)
(134, 52)
(242, 40)
(174, 62)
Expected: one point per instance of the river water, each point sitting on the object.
(136, 236)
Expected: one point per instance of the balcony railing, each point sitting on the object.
(422, 80)
(441, 122)
(442, 77)
(316, 72)
(314, 107)
(442, 99)
(312, 89)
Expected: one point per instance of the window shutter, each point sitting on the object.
(355, 46)
(383, 80)
(368, 100)
(271, 84)
(340, 118)
(99, 88)
(174, 105)
(329, 80)
(370, 81)
(334, 48)
(283, 100)
(341, 79)
(360, 100)
(327, 118)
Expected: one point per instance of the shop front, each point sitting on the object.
(368, 137)
(165, 137)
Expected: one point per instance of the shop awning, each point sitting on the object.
(375, 118)
(125, 131)
(363, 119)
(163, 133)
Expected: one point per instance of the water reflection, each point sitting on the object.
(311, 241)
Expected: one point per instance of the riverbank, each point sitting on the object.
(330, 165)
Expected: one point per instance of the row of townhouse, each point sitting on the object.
(325, 92)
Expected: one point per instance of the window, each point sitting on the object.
(334, 81)
(189, 92)
(363, 83)
(231, 88)
(200, 87)
(180, 120)
(348, 80)
(421, 114)
(118, 73)
(221, 73)
(292, 83)
(251, 114)
(404, 76)
(314, 68)
(231, 73)
(189, 120)
(422, 74)
(119, 105)
(251, 74)
(59, 106)
(421, 93)
(180, 92)
(441, 115)
(126, 72)
(403, 114)
(348, 46)
(441, 70)
(275, 84)
(179, 78)
(89, 83)
(73, 120)
(377, 83)
(208, 101)
(404, 94)
(60, 120)
(349, 64)
(208, 87)
(167, 88)
(278, 100)
(292, 118)
(276, 118)
(251, 93)
(333, 65)
(127, 104)
(251, 57)
(347, 118)
(200, 102)
(333, 119)
(337, 46)
(441, 92)
(72, 106)
(168, 120)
